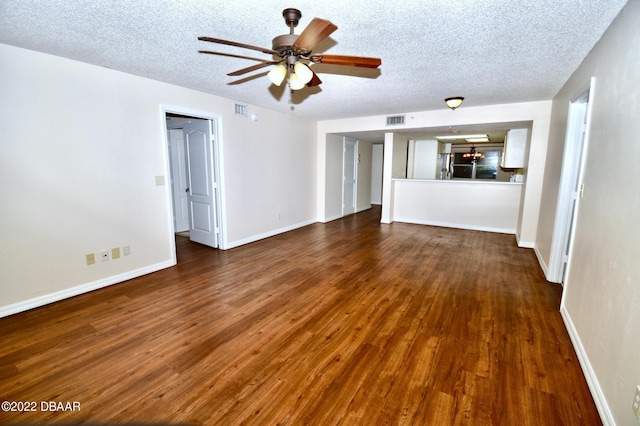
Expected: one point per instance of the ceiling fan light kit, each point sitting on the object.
(454, 102)
(295, 82)
(277, 74)
(294, 50)
(303, 72)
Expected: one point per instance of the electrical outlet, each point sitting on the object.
(636, 403)
(126, 250)
(115, 253)
(91, 259)
(104, 256)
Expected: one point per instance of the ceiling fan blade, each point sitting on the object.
(253, 68)
(354, 61)
(317, 30)
(315, 80)
(231, 55)
(235, 43)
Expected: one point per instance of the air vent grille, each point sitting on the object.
(241, 109)
(395, 120)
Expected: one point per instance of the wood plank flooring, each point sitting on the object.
(350, 322)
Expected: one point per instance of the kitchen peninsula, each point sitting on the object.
(467, 204)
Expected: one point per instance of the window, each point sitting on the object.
(485, 168)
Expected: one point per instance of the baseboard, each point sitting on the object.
(363, 208)
(331, 218)
(592, 381)
(542, 263)
(456, 225)
(77, 290)
(526, 244)
(262, 236)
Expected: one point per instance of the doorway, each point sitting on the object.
(571, 187)
(349, 176)
(193, 164)
(376, 173)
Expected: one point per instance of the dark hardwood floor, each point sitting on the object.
(350, 322)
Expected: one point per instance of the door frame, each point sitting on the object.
(570, 188)
(217, 167)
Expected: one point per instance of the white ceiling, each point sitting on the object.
(489, 51)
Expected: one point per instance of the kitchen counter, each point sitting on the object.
(465, 181)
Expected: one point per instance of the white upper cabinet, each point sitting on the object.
(515, 144)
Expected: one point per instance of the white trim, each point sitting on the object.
(592, 381)
(80, 289)
(526, 244)
(541, 262)
(168, 187)
(218, 169)
(361, 209)
(331, 218)
(573, 163)
(456, 225)
(262, 236)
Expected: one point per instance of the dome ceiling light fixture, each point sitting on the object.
(454, 102)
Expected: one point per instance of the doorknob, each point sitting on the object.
(186, 190)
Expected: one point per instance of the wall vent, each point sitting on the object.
(395, 120)
(241, 109)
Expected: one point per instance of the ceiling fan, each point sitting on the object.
(295, 54)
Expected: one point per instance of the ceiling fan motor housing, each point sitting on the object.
(282, 44)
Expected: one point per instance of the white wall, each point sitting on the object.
(333, 171)
(533, 114)
(601, 297)
(390, 156)
(81, 148)
(483, 206)
(269, 172)
(423, 159)
(400, 149)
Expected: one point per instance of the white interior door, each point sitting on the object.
(376, 174)
(349, 176)
(570, 190)
(198, 139)
(179, 180)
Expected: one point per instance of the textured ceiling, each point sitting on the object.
(489, 51)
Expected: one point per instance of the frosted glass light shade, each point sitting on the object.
(277, 74)
(294, 82)
(303, 72)
(455, 102)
